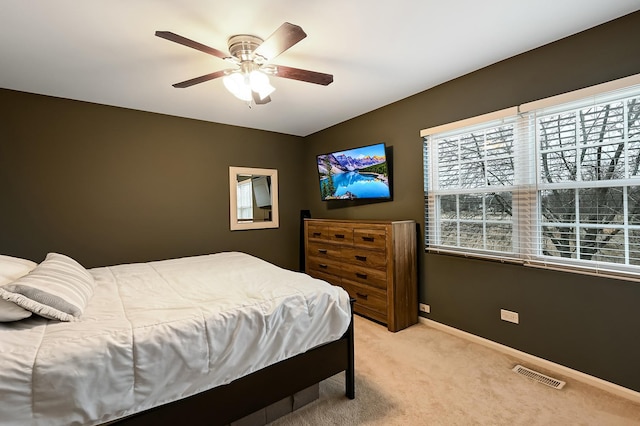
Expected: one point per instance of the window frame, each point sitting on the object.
(527, 228)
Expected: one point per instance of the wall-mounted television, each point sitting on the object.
(355, 174)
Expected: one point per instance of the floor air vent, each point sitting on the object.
(538, 377)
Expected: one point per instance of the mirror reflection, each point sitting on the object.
(253, 198)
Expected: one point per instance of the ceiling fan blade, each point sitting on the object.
(281, 39)
(258, 101)
(168, 35)
(200, 79)
(303, 75)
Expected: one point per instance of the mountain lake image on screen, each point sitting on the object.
(354, 174)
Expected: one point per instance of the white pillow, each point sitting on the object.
(58, 288)
(9, 311)
(12, 268)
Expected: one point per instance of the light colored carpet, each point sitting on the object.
(424, 376)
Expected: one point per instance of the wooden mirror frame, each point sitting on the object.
(234, 223)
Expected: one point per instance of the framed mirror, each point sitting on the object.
(253, 198)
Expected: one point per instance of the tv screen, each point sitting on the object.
(355, 174)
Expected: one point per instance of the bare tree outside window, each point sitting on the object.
(480, 164)
(590, 155)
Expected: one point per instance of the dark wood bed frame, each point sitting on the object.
(227, 403)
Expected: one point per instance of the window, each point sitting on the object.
(474, 174)
(550, 183)
(244, 200)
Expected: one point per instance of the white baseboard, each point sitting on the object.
(540, 362)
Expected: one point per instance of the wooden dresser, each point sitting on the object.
(375, 261)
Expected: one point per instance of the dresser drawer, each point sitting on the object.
(322, 250)
(325, 266)
(366, 276)
(365, 257)
(370, 238)
(341, 234)
(372, 300)
(331, 279)
(317, 232)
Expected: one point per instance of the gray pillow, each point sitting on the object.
(58, 288)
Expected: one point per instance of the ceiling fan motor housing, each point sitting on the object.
(242, 46)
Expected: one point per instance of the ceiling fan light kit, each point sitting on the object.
(251, 55)
(242, 84)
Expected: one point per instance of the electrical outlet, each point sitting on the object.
(425, 308)
(509, 316)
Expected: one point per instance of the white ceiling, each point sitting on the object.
(105, 51)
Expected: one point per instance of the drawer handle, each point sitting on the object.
(362, 296)
(361, 258)
(323, 265)
(339, 235)
(368, 239)
(323, 251)
(361, 275)
(317, 234)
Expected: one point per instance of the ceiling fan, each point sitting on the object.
(249, 80)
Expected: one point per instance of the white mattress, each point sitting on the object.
(160, 331)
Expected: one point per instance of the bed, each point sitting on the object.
(198, 340)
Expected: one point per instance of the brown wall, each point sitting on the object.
(109, 185)
(586, 323)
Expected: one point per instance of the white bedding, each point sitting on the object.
(160, 331)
